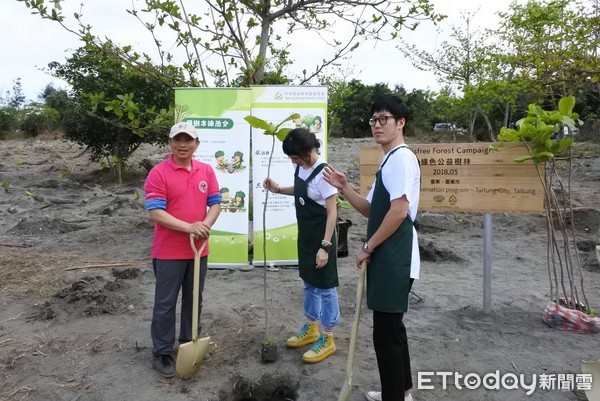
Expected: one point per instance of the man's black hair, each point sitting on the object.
(391, 103)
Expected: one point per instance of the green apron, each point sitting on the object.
(312, 220)
(388, 273)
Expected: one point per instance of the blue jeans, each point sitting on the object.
(321, 304)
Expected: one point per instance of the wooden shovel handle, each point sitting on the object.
(197, 252)
(347, 387)
(196, 290)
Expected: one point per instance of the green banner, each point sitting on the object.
(218, 115)
(274, 104)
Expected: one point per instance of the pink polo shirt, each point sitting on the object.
(186, 194)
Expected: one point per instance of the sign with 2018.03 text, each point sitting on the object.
(468, 177)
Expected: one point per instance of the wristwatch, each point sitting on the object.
(365, 248)
(326, 245)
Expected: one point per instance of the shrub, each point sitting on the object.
(38, 118)
(9, 120)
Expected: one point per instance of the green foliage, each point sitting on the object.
(38, 118)
(353, 103)
(342, 202)
(270, 341)
(115, 108)
(536, 130)
(9, 120)
(57, 99)
(553, 45)
(419, 102)
(15, 99)
(270, 128)
(348, 106)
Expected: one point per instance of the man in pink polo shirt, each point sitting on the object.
(183, 198)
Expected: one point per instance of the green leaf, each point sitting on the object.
(568, 121)
(523, 158)
(547, 154)
(256, 122)
(508, 135)
(290, 118)
(566, 105)
(282, 133)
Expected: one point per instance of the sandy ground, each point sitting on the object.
(72, 332)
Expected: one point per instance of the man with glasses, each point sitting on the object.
(391, 249)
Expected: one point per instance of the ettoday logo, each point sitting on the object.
(507, 381)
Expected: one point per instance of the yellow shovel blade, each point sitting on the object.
(190, 356)
(592, 368)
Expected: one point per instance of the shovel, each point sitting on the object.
(347, 388)
(191, 354)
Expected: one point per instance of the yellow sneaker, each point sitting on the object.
(321, 349)
(308, 334)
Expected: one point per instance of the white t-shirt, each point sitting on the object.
(318, 188)
(401, 175)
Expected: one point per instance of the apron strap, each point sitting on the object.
(415, 222)
(316, 171)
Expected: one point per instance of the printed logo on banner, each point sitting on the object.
(211, 123)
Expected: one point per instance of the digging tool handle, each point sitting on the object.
(347, 387)
(196, 293)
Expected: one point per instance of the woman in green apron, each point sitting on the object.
(391, 249)
(316, 213)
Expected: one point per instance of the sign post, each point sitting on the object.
(472, 177)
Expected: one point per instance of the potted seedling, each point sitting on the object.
(269, 345)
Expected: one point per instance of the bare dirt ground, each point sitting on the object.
(69, 331)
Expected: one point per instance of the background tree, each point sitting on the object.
(447, 107)
(113, 108)
(245, 37)
(353, 111)
(552, 47)
(419, 102)
(541, 52)
(459, 63)
(16, 99)
(57, 99)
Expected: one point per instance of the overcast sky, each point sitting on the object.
(28, 43)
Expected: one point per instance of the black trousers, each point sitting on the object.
(393, 359)
(172, 276)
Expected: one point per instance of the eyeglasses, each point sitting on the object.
(382, 120)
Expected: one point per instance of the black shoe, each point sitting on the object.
(164, 366)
